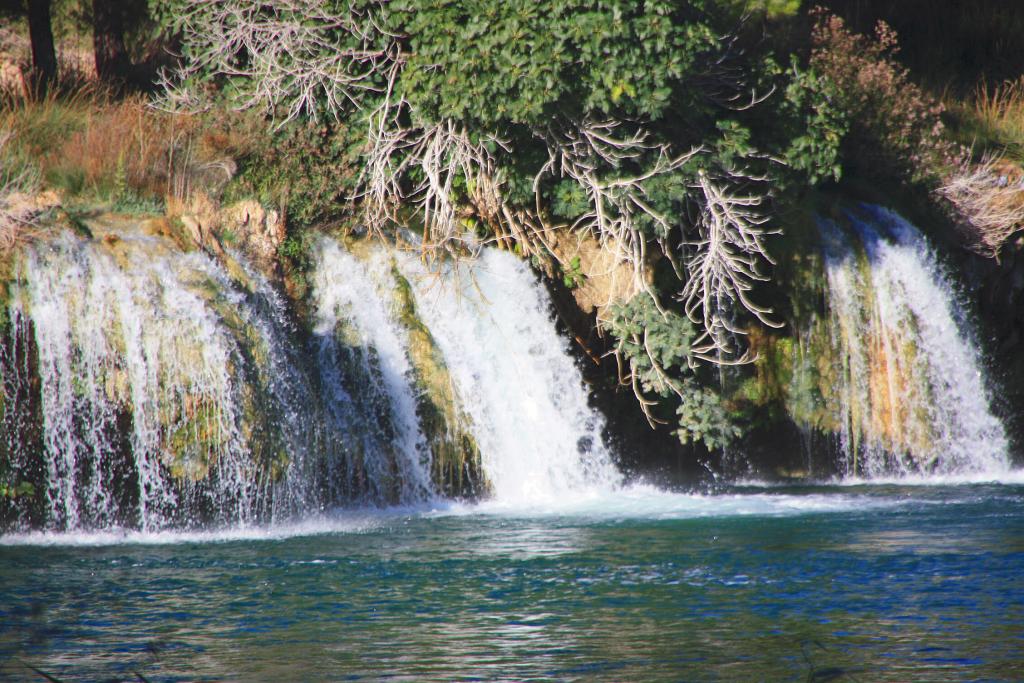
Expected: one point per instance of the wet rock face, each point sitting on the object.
(997, 287)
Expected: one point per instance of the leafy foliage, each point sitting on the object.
(654, 343)
(493, 64)
(659, 349)
(646, 124)
(819, 124)
(703, 417)
(896, 129)
(572, 273)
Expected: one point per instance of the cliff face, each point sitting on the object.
(997, 290)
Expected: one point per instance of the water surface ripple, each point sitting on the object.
(858, 583)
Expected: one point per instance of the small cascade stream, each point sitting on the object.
(912, 398)
(167, 389)
(539, 439)
(363, 359)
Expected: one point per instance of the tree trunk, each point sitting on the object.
(112, 62)
(44, 55)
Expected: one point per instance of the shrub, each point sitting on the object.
(634, 122)
(896, 129)
(947, 44)
(659, 350)
(308, 170)
(816, 126)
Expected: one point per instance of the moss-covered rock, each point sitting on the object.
(456, 467)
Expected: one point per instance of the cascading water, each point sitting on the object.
(150, 388)
(363, 358)
(153, 366)
(516, 388)
(911, 395)
(538, 437)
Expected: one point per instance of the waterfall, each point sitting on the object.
(148, 387)
(491, 317)
(515, 387)
(911, 394)
(363, 358)
(166, 388)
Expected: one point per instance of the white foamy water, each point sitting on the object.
(316, 526)
(914, 402)
(172, 392)
(637, 502)
(167, 388)
(129, 328)
(538, 437)
(995, 477)
(363, 356)
(649, 502)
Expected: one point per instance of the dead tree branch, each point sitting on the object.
(289, 57)
(724, 264)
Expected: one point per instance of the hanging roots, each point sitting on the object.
(724, 264)
(295, 57)
(447, 180)
(585, 154)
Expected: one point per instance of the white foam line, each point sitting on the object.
(999, 478)
(637, 502)
(339, 523)
(647, 502)
(1007, 478)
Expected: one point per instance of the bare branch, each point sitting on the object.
(724, 264)
(289, 57)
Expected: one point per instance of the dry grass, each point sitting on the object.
(1000, 110)
(126, 146)
(988, 198)
(17, 184)
(93, 147)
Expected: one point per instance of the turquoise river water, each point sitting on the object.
(832, 583)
